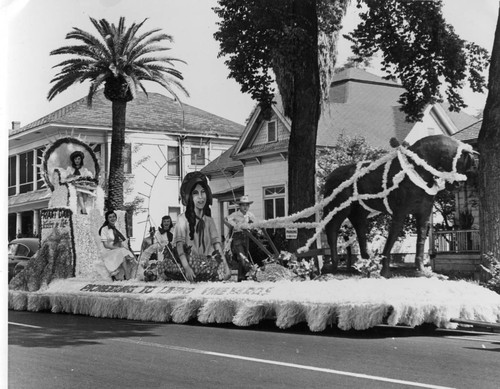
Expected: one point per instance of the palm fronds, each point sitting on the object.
(117, 52)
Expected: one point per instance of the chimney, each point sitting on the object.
(16, 125)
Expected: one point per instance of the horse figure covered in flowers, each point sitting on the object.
(401, 183)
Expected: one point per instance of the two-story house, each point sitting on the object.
(164, 141)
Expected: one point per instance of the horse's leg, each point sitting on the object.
(394, 230)
(332, 231)
(422, 218)
(359, 220)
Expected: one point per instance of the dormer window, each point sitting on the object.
(272, 132)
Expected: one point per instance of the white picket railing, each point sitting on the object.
(460, 241)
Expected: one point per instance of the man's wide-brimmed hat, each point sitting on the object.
(190, 181)
(75, 154)
(244, 200)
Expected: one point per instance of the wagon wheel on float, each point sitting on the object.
(151, 183)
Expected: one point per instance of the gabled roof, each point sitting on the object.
(469, 133)
(361, 103)
(360, 75)
(223, 163)
(152, 112)
(459, 119)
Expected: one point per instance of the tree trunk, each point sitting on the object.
(489, 160)
(116, 176)
(305, 116)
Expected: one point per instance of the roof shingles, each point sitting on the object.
(152, 112)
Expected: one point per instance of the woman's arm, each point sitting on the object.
(184, 261)
(109, 245)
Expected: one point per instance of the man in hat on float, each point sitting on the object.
(239, 243)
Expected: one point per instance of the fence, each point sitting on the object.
(462, 241)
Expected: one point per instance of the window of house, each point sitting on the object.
(26, 172)
(12, 175)
(197, 156)
(127, 159)
(272, 134)
(39, 165)
(174, 213)
(173, 161)
(274, 202)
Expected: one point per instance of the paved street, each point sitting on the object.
(68, 351)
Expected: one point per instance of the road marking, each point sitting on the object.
(285, 364)
(22, 325)
(483, 340)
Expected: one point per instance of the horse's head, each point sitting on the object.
(446, 154)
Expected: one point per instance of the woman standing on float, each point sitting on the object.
(196, 229)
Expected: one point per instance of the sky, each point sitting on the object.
(32, 28)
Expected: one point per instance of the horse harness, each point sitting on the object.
(407, 168)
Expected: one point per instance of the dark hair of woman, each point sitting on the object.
(106, 223)
(161, 229)
(73, 156)
(190, 212)
(118, 235)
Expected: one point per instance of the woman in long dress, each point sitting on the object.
(196, 238)
(77, 171)
(119, 261)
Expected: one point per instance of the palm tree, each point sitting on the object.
(121, 62)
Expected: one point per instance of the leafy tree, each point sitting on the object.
(279, 41)
(489, 159)
(420, 49)
(354, 62)
(121, 59)
(445, 204)
(292, 43)
(348, 150)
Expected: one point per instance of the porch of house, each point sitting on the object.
(456, 253)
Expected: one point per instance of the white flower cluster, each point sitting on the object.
(87, 253)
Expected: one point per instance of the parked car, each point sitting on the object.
(20, 252)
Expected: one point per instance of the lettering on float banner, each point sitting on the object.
(55, 218)
(204, 290)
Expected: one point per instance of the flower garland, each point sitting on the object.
(402, 153)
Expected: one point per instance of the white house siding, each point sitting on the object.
(261, 133)
(428, 126)
(271, 172)
(151, 181)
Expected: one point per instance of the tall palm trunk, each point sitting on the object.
(305, 116)
(489, 162)
(116, 175)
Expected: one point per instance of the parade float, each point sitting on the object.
(67, 274)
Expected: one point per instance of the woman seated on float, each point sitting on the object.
(154, 246)
(164, 236)
(119, 261)
(196, 238)
(77, 172)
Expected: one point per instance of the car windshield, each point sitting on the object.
(18, 249)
